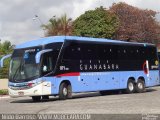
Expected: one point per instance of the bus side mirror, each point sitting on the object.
(2, 60)
(39, 54)
(44, 68)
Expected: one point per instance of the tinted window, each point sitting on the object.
(72, 51)
(89, 51)
(49, 61)
(107, 52)
(152, 53)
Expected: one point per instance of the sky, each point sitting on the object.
(17, 17)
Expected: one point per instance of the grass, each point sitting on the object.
(4, 92)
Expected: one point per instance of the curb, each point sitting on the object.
(4, 96)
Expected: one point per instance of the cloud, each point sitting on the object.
(16, 16)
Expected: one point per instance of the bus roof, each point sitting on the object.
(54, 39)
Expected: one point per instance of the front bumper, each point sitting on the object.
(40, 89)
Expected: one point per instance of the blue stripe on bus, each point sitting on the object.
(96, 81)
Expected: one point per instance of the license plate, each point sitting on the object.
(20, 93)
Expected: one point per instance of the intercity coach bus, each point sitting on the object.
(62, 65)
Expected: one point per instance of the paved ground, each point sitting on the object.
(148, 102)
(94, 103)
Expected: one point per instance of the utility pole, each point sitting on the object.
(40, 21)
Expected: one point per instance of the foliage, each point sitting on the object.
(4, 71)
(136, 24)
(60, 26)
(4, 92)
(96, 23)
(5, 48)
(121, 22)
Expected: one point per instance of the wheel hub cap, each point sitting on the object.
(140, 86)
(130, 87)
(65, 91)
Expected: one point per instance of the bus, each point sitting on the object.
(159, 55)
(62, 65)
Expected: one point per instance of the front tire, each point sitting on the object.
(140, 86)
(65, 91)
(130, 86)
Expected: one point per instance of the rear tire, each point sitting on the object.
(140, 86)
(65, 91)
(130, 86)
(36, 98)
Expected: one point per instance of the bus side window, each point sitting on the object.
(107, 52)
(72, 52)
(152, 53)
(89, 51)
(47, 63)
(132, 53)
(104, 52)
(114, 52)
(122, 53)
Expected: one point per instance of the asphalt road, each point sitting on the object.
(90, 103)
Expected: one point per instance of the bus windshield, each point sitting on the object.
(23, 68)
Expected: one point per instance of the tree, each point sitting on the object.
(96, 23)
(5, 48)
(60, 26)
(136, 24)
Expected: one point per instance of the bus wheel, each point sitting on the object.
(140, 86)
(65, 91)
(69, 96)
(130, 86)
(36, 98)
